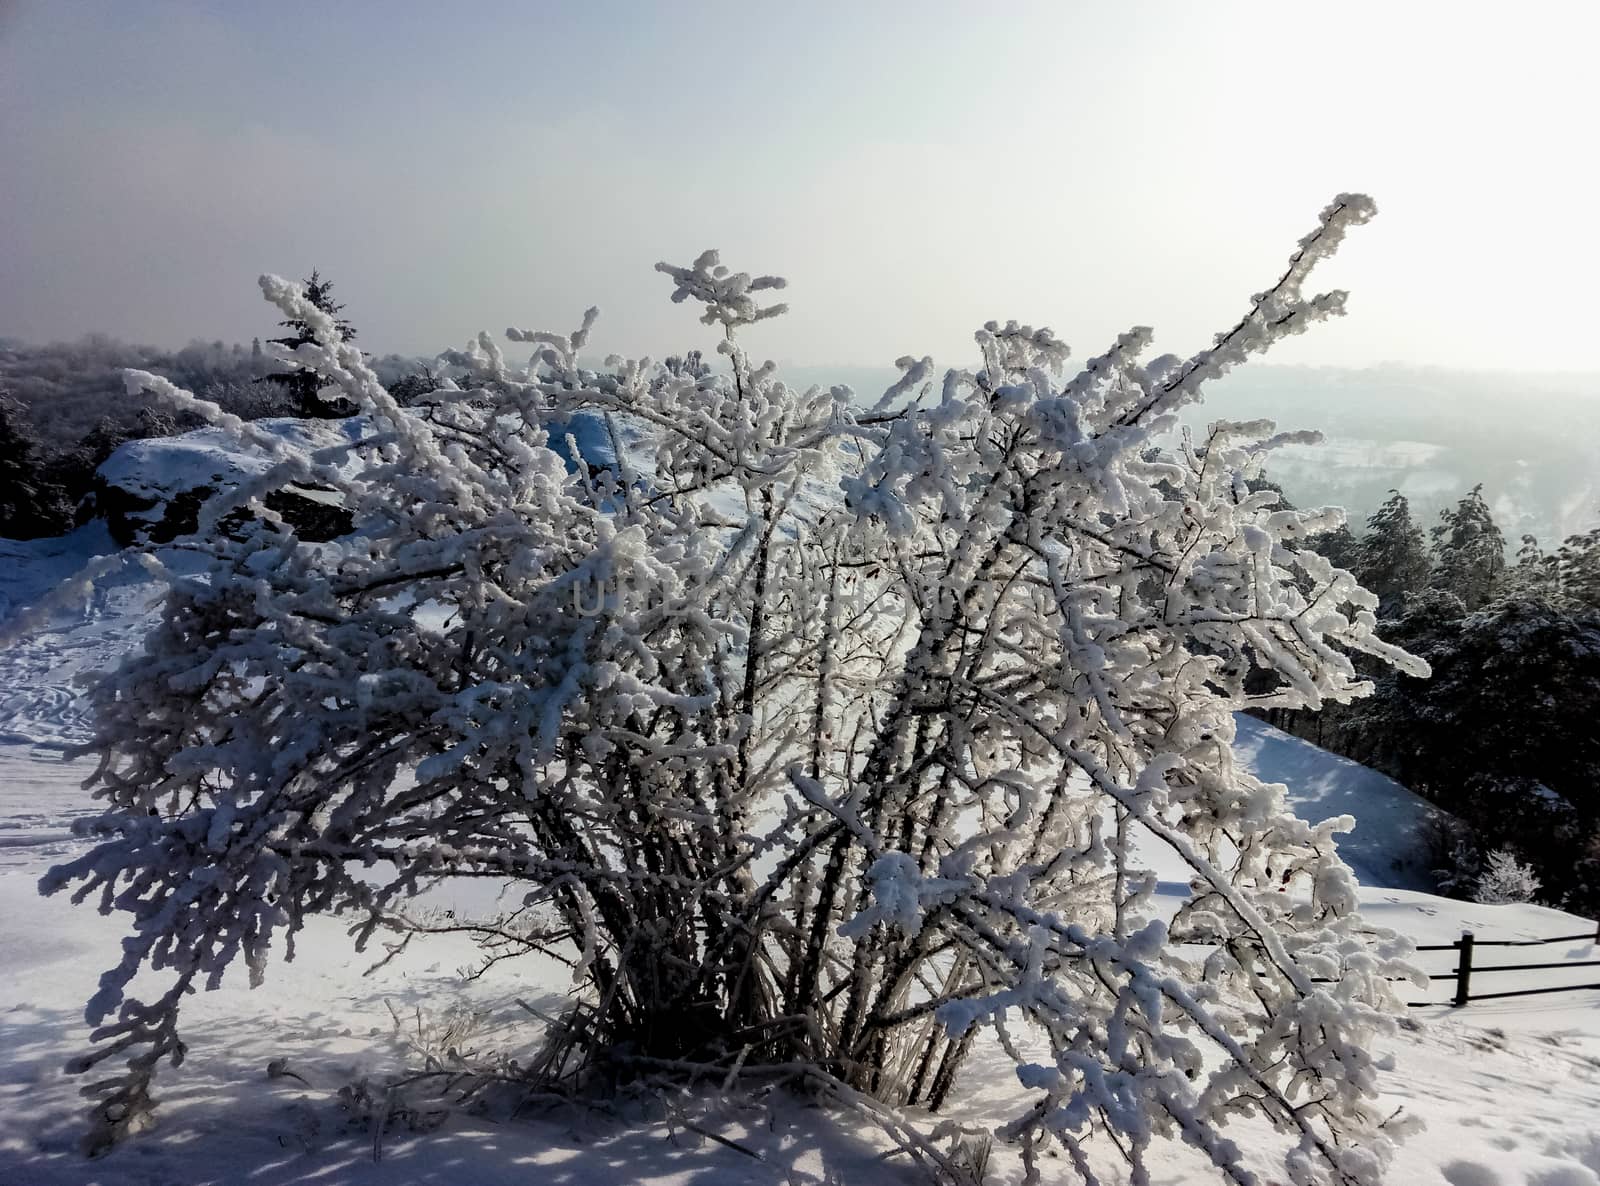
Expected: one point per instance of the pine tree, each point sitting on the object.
(302, 383)
(1578, 569)
(1339, 545)
(1569, 577)
(1535, 574)
(1469, 551)
(1392, 559)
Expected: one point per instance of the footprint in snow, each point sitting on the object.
(1469, 1173)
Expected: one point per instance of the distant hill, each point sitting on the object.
(1532, 440)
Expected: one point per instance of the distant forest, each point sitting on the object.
(1503, 735)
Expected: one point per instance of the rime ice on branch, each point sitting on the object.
(846, 770)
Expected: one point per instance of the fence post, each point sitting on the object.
(1464, 970)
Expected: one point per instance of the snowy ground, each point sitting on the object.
(1509, 1090)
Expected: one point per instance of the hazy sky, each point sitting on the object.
(913, 169)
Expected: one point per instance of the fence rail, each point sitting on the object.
(1465, 967)
(1586, 937)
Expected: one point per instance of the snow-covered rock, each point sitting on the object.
(152, 489)
(160, 468)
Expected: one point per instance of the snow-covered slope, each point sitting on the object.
(1509, 1089)
(1385, 848)
(39, 703)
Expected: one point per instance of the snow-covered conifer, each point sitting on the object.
(1393, 556)
(1469, 551)
(1578, 569)
(302, 383)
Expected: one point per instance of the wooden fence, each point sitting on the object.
(1465, 969)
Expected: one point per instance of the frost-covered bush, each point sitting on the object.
(1505, 879)
(823, 742)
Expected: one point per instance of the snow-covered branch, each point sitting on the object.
(832, 738)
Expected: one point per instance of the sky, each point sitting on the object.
(913, 170)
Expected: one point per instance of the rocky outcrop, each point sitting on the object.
(151, 491)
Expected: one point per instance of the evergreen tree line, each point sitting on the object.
(1505, 735)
